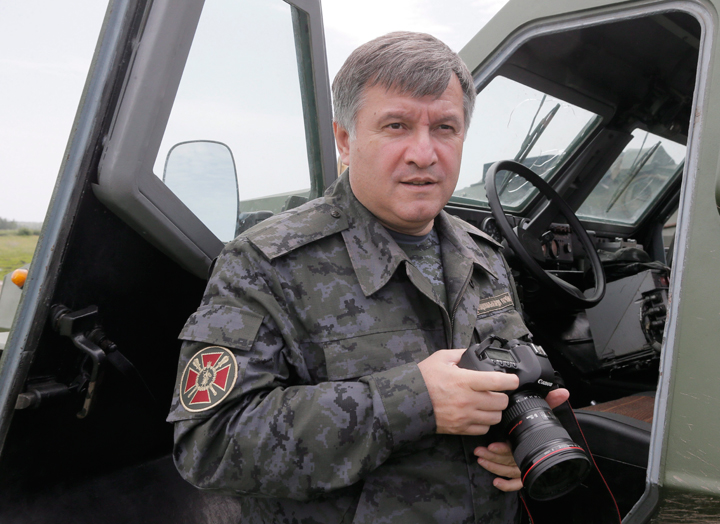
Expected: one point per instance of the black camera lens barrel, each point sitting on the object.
(550, 462)
(519, 407)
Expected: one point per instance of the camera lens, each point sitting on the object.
(550, 462)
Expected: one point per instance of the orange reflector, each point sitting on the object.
(19, 276)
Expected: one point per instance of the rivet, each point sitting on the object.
(335, 213)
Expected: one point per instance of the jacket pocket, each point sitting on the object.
(369, 353)
(507, 324)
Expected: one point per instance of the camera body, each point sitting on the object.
(524, 359)
(551, 464)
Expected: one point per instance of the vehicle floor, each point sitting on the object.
(152, 492)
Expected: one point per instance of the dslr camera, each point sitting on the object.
(550, 462)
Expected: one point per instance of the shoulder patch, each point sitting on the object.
(298, 227)
(208, 378)
(475, 231)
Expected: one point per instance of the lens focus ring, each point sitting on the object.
(521, 407)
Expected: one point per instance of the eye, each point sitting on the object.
(395, 125)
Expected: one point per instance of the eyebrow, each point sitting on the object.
(395, 115)
(453, 119)
(401, 115)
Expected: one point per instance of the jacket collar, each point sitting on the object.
(374, 254)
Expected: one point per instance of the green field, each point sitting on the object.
(15, 251)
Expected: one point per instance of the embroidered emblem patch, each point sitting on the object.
(495, 303)
(208, 378)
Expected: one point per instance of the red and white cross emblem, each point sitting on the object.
(208, 378)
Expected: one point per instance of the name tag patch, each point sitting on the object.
(495, 303)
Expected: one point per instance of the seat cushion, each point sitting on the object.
(620, 429)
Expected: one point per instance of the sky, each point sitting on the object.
(46, 47)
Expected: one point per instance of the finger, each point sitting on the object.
(502, 448)
(486, 417)
(557, 397)
(508, 485)
(502, 470)
(488, 400)
(501, 467)
(491, 380)
(451, 355)
(503, 457)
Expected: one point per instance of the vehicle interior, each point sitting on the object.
(602, 115)
(600, 112)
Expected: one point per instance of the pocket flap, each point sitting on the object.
(371, 353)
(225, 326)
(507, 324)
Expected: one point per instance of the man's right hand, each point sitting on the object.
(465, 402)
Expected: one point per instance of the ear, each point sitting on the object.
(342, 139)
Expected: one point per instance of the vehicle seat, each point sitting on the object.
(618, 434)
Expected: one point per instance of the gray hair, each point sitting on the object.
(414, 63)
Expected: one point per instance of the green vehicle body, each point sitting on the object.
(116, 238)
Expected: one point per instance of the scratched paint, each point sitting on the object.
(688, 508)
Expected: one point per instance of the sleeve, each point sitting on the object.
(276, 433)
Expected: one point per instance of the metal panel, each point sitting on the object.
(615, 321)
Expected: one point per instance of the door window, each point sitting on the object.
(241, 87)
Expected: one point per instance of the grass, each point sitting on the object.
(15, 251)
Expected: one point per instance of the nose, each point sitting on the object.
(420, 149)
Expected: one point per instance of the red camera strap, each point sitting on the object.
(590, 503)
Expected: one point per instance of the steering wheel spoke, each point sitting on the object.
(567, 286)
(531, 243)
(526, 242)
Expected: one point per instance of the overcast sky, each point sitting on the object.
(46, 47)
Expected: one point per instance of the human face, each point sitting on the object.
(405, 156)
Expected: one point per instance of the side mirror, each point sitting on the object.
(202, 174)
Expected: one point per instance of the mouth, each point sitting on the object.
(418, 183)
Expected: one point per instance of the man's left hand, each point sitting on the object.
(497, 457)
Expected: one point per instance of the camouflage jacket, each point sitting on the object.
(298, 387)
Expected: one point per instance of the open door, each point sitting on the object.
(611, 103)
(87, 373)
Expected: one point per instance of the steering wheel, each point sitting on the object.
(521, 237)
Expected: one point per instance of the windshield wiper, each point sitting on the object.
(628, 180)
(531, 139)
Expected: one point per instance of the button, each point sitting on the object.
(335, 213)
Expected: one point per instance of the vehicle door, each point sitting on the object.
(683, 477)
(198, 120)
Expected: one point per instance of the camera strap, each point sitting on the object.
(590, 503)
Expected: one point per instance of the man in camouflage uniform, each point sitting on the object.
(313, 381)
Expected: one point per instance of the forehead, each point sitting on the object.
(378, 99)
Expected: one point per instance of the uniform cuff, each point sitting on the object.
(407, 403)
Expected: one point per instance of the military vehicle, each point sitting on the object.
(199, 120)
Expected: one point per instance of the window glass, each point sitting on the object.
(516, 122)
(647, 165)
(241, 88)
